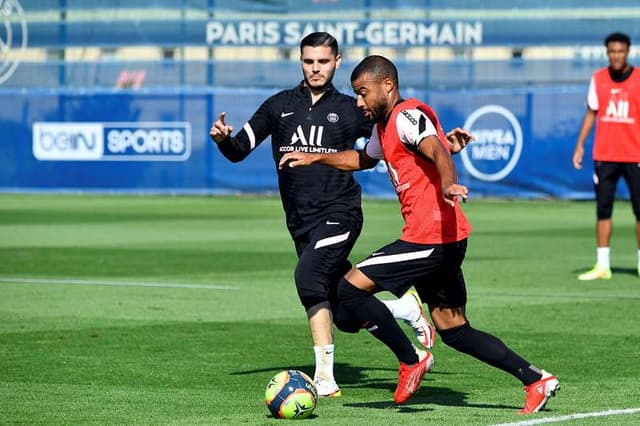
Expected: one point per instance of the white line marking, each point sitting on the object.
(573, 417)
(558, 296)
(113, 283)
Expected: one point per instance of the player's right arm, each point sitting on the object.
(236, 148)
(587, 123)
(349, 160)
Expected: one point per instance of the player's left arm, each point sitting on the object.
(434, 150)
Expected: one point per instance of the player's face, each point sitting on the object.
(617, 53)
(318, 66)
(371, 97)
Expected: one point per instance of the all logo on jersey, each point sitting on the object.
(618, 108)
(314, 138)
(310, 141)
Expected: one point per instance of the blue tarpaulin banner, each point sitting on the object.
(157, 141)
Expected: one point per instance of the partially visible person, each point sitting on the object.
(613, 104)
(408, 136)
(322, 205)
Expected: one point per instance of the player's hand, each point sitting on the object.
(454, 191)
(578, 154)
(296, 159)
(458, 139)
(220, 130)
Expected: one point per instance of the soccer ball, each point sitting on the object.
(291, 394)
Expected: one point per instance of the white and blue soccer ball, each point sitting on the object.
(291, 394)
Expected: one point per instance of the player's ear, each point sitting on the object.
(389, 85)
(338, 60)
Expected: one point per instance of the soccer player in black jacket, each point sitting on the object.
(322, 205)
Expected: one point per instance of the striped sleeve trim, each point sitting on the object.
(252, 137)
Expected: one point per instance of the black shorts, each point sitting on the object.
(606, 177)
(434, 270)
(323, 257)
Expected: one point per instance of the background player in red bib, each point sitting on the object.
(409, 138)
(614, 104)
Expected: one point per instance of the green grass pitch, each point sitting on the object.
(178, 310)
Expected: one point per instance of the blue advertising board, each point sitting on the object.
(157, 141)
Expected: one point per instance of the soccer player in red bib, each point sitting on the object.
(408, 136)
(613, 103)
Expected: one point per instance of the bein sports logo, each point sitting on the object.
(112, 141)
(67, 141)
(13, 34)
(496, 151)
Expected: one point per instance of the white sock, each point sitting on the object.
(603, 257)
(324, 362)
(403, 308)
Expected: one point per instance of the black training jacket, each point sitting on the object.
(333, 124)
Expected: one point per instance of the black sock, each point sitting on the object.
(490, 349)
(373, 315)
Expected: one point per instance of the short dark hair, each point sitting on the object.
(378, 67)
(320, 39)
(620, 37)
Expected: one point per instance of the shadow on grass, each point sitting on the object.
(356, 377)
(430, 395)
(626, 271)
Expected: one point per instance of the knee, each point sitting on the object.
(347, 292)
(348, 298)
(310, 298)
(344, 320)
(604, 209)
(311, 291)
(447, 318)
(604, 213)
